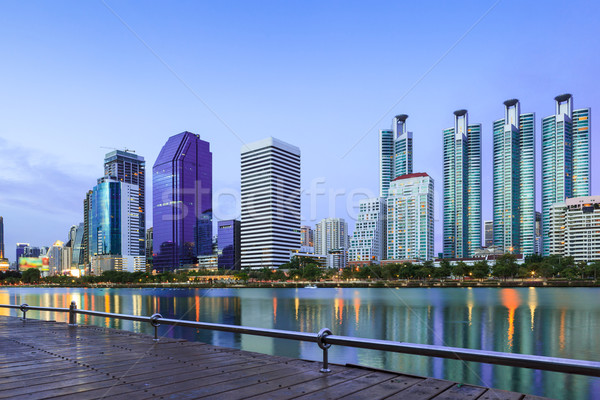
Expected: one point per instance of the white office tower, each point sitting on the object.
(410, 218)
(368, 243)
(395, 153)
(270, 192)
(331, 239)
(575, 228)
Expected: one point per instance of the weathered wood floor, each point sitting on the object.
(40, 360)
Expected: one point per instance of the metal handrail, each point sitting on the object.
(325, 339)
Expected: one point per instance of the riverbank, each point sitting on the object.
(333, 284)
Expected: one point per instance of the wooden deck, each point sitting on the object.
(40, 360)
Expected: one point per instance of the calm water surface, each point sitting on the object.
(560, 322)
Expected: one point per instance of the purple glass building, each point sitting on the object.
(182, 202)
(228, 241)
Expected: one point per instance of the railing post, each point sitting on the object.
(154, 322)
(24, 308)
(72, 315)
(323, 333)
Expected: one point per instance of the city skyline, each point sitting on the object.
(48, 167)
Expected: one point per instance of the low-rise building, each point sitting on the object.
(575, 228)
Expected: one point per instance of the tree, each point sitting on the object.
(444, 270)
(460, 269)
(592, 270)
(311, 272)
(481, 269)
(31, 275)
(506, 266)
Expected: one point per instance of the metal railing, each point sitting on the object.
(325, 339)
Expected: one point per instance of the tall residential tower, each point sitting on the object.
(566, 158)
(514, 180)
(462, 187)
(368, 242)
(410, 230)
(270, 193)
(395, 153)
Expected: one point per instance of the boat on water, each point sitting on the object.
(310, 286)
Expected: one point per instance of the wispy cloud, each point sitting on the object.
(38, 182)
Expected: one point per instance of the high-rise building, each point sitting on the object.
(410, 223)
(462, 187)
(87, 229)
(488, 227)
(2, 256)
(128, 167)
(115, 226)
(228, 242)
(32, 251)
(182, 202)
(566, 158)
(78, 246)
(307, 236)
(538, 233)
(149, 247)
(368, 242)
(395, 153)
(575, 228)
(20, 251)
(331, 237)
(270, 195)
(4, 263)
(514, 180)
(55, 255)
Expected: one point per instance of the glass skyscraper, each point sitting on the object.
(228, 242)
(462, 187)
(128, 167)
(114, 227)
(78, 248)
(395, 153)
(566, 158)
(514, 180)
(2, 238)
(182, 202)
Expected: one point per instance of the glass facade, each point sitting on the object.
(106, 219)
(228, 241)
(514, 180)
(395, 152)
(182, 202)
(566, 158)
(20, 251)
(2, 238)
(462, 187)
(128, 167)
(77, 245)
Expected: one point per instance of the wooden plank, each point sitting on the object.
(385, 389)
(427, 389)
(497, 394)
(334, 386)
(42, 360)
(461, 392)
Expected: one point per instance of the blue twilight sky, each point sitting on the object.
(324, 76)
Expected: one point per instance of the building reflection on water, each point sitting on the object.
(558, 322)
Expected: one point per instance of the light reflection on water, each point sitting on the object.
(561, 322)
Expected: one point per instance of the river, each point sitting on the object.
(558, 322)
